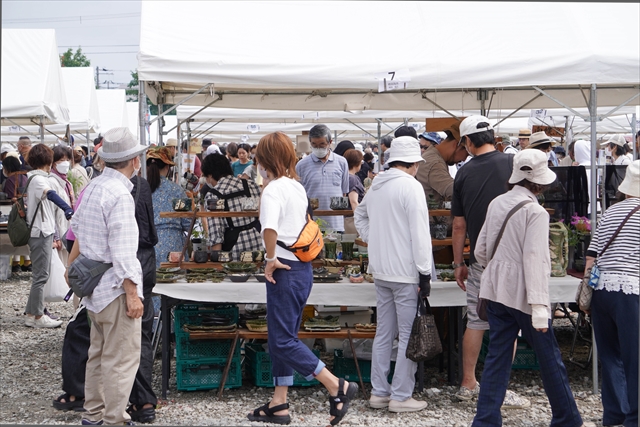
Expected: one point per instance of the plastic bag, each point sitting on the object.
(56, 287)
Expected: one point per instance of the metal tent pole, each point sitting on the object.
(160, 125)
(593, 103)
(42, 129)
(634, 129)
(142, 120)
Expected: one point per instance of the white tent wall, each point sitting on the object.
(31, 86)
(133, 119)
(81, 96)
(113, 109)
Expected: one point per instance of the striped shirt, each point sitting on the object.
(106, 227)
(323, 180)
(623, 255)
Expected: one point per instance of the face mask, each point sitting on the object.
(83, 162)
(607, 152)
(320, 153)
(63, 167)
(253, 156)
(263, 172)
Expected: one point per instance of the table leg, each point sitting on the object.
(226, 368)
(461, 325)
(451, 342)
(355, 360)
(420, 376)
(165, 318)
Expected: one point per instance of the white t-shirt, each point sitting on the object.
(283, 208)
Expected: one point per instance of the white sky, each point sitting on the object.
(107, 31)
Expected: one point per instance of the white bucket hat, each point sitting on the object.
(171, 142)
(631, 183)
(532, 166)
(404, 149)
(472, 124)
(615, 139)
(119, 145)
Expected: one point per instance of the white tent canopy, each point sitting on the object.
(81, 98)
(32, 83)
(295, 69)
(113, 109)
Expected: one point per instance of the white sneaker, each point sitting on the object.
(409, 405)
(379, 402)
(29, 321)
(46, 322)
(468, 394)
(513, 401)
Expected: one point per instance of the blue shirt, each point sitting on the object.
(323, 181)
(238, 167)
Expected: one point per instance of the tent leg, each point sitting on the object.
(160, 125)
(42, 129)
(142, 119)
(593, 103)
(634, 129)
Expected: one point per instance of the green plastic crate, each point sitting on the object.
(187, 349)
(192, 314)
(258, 364)
(206, 374)
(346, 368)
(525, 355)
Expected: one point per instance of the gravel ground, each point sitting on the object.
(30, 378)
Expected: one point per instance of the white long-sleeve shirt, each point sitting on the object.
(393, 219)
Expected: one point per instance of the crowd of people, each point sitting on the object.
(491, 183)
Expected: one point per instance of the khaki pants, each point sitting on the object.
(114, 356)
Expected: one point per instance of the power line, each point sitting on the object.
(102, 45)
(71, 18)
(100, 53)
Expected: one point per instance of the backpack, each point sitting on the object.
(17, 228)
(309, 242)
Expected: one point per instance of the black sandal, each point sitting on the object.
(268, 416)
(343, 398)
(77, 405)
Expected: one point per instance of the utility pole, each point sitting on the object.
(104, 71)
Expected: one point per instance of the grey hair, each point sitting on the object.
(320, 131)
(24, 141)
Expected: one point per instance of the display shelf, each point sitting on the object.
(195, 265)
(209, 214)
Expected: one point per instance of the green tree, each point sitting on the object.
(132, 95)
(77, 59)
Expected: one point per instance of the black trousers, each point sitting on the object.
(75, 351)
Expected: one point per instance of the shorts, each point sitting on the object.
(473, 289)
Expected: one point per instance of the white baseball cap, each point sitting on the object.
(532, 166)
(404, 149)
(631, 183)
(615, 139)
(474, 124)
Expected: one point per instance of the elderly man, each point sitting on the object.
(324, 174)
(107, 211)
(24, 145)
(524, 135)
(483, 178)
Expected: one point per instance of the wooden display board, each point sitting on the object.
(555, 132)
(439, 124)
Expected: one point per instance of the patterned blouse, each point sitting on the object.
(170, 230)
(248, 240)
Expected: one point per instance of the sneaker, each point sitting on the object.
(51, 315)
(513, 401)
(142, 415)
(29, 321)
(409, 405)
(15, 268)
(86, 422)
(468, 394)
(46, 322)
(379, 402)
(27, 267)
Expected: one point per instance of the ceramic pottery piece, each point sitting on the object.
(175, 256)
(182, 204)
(200, 256)
(315, 203)
(224, 256)
(339, 203)
(440, 231)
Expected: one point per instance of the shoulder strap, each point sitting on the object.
(515, 209)
(615, 234)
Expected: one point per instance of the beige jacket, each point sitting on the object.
(518, 275)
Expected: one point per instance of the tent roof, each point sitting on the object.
(300, 65)
(112, 109)
(32, 84)
(81, 97)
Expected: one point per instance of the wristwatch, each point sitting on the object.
(454, 265)
(270, 259)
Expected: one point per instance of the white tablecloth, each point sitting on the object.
(443, 294)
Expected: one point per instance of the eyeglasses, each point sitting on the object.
(424, 147)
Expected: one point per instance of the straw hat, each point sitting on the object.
(540, 138)
(160, 153)
(405, 149)
(119, 145)
(631, 183)
(524, 133)
(532, 166)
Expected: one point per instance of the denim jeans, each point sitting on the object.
(504, 324)
(285, 301)
(615, 325)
